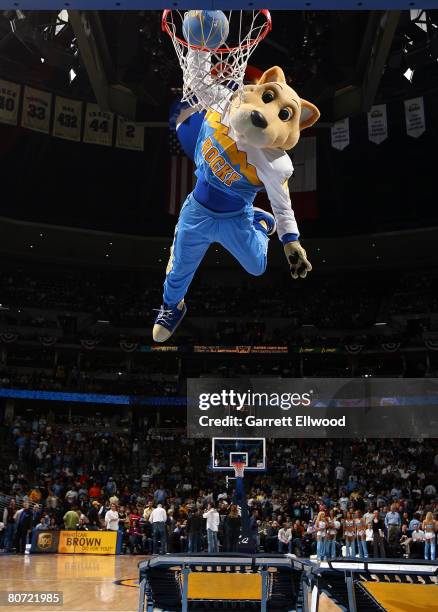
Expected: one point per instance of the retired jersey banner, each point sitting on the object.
(89, 542)
(340, 134)
(36, 110)
(9, 102)
(130, 135)
(415, 118)
(377, 124)
(67, 122)
(98, 126)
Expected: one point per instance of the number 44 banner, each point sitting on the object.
(98, 126)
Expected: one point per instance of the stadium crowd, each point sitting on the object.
(123, 299)
(329, 497)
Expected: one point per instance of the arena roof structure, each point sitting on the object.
(345, 58)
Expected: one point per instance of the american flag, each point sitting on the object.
(181, 175)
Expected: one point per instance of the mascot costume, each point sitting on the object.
(238, 152)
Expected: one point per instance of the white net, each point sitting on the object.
(212, 76)
(239, 469)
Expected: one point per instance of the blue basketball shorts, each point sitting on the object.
(198, 227)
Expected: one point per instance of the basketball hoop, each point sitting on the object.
(206, 87)
(239, 469)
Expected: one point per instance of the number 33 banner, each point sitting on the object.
(68, 119)
(9, 102)
(98, 126)
(36, 110)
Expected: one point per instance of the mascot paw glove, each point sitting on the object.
(296, 256)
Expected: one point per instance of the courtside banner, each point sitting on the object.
(89, 542)
(44, 541)
(312, 407)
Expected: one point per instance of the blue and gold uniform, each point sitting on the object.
(220, 209)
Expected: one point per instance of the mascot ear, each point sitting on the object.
(272, 75)
(309, 114)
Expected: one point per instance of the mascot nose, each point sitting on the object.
(258, 120)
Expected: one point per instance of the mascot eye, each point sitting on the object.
(285, 114)
(268, 96)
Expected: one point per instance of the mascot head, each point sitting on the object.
(270, 114)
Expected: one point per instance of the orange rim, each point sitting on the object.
(264, 31)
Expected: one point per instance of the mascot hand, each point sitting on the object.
(296, 256)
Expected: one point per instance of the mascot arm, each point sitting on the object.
(198, 78)
(287, 228)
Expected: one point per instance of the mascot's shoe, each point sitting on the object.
(168, 319)
(262, 215)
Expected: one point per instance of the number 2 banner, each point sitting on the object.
(68, 119)
(36, 110)
(98, 126)
(130, 135)
(9, 102)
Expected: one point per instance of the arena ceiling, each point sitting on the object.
(343, 60)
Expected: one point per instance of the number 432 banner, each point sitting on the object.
(68, 119)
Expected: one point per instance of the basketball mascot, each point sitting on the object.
(240, 149)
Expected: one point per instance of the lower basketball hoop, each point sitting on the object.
(239, 469)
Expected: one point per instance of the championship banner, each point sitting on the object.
(98, 126)
(44, 541)
(67, 123)
(129, 135)
(377, 124)
(340, 133)
(415, 118)
(89, 542)
(9, 102)
(36, 110)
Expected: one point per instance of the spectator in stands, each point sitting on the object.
(361, 534)
(158, 518)
(195, 525)
(112, 518)
(232, 528)
(392, 525)
(71, 518)
(212, 516)
(321, 535)
(94, 521)
(271, 537)
(9, 525)
(418, 543)
(284, 538)
(349, 534)
(430, 527)
(23, 520)
(377, 525)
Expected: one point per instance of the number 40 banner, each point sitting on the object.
(98, 126)
(9, 102)
(68, 119)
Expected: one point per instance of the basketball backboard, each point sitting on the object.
(249, 451)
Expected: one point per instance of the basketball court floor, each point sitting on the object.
(88, 582)
(93, 583)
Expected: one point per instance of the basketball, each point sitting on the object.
(206, 29)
